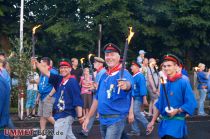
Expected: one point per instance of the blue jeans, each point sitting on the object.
(202, 93)
(63, 128)
(113, 131)
(138, 117)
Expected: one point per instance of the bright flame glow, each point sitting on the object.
(34, 28)
(131, 33)
(82, 60)
(89, 56)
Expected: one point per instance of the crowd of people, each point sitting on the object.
(71, 92)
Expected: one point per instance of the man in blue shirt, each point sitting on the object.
(45, 97)
(139, 95)
(181, 98)
(68, 102)
(113, 107)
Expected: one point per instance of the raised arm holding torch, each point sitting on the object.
(125, 56)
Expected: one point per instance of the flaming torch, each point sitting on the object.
(91, 66)
(82, 61)
(127, 42)
(33, 39)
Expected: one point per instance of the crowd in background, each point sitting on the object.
(39, 91)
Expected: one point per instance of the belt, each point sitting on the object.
(173, 118)
(109, 115)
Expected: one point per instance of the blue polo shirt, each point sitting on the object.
(44, 86)
(71, 96)
(139, 89)
(117, 104)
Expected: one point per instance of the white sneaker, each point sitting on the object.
(40, 137)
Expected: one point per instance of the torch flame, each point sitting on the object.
(131, 33)
(34, 28)
(89, 56)
(81, 60)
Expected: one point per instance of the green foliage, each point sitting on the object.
(70, 27)
(20, 68)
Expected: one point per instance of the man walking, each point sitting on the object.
(113, 107)
(181, 98)
(139, 96)
(45, 98)
(68, 102)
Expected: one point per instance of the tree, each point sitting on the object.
(70, 28)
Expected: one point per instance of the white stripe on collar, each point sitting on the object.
(136, 74)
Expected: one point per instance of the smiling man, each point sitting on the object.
(68, 102)
(113, 108)
(181, 98)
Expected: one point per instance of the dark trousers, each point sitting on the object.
(170, 137)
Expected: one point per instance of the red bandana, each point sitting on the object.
(117, 68)
(49, 68)
(66, 78)
(99, 69)
(175, 77)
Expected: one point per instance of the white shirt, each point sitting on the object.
(32, 76)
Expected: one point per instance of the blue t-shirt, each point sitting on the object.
(117, 104)
(44, 86)
(180, 95)
(202, 79)
(139, 88)
(71, 96)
